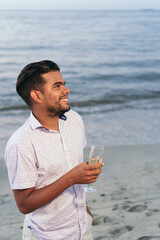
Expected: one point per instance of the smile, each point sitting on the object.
(64, 100)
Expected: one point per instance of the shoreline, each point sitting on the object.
(125, 205)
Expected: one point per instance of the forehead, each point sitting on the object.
(52, 77)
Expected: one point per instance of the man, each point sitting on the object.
(44, 158)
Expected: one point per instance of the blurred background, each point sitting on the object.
(109, 54)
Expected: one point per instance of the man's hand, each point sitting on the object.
(85, 173)
(28, 200)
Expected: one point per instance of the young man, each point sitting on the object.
(44, 158)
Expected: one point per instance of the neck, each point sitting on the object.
(47, 121)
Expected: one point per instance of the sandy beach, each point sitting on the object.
(126, 205)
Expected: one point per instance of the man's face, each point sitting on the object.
(55, 94)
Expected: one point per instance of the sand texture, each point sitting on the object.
(126, 205)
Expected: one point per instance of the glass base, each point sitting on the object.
(89, 188)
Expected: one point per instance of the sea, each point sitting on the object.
(109, 59)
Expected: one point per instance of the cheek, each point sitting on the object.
(53, 97)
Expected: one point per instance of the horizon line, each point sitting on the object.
(140, 9)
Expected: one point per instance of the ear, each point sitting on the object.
(36, 96)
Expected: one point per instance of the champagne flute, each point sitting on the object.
(95, 156)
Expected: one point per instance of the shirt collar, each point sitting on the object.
(63, 117)
(36, 124)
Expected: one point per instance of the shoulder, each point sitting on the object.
(20, 136)
(74, 120)
(73, 115)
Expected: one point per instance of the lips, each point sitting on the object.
(64, 99)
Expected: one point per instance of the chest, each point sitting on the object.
(57, 153)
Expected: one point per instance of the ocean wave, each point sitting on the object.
(110, 100)
(25, 48)
(117, 98)
(128, 63)
(138, 77)
(14, 107)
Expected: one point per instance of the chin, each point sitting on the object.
(53, 112)
(64, 110)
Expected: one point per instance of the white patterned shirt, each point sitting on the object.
(36, 157)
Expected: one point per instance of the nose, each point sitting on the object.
(66, 90)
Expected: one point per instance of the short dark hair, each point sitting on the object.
(30, 78)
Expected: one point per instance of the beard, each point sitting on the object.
(57, 111)
(56, 107)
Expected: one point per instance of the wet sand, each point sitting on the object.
(126, 205)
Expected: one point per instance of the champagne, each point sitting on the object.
(95, 157)
(96, 160)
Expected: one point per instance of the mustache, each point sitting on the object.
(64, 96)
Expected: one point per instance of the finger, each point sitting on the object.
(95, 166)
(84, 163)
(94, 175)
(93, 180)
(94, 172)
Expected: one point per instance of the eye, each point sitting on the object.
(57, 85)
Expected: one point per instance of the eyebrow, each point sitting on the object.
(61, 83)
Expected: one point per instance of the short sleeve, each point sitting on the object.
(21, 166)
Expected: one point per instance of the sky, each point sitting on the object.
(79, 4)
